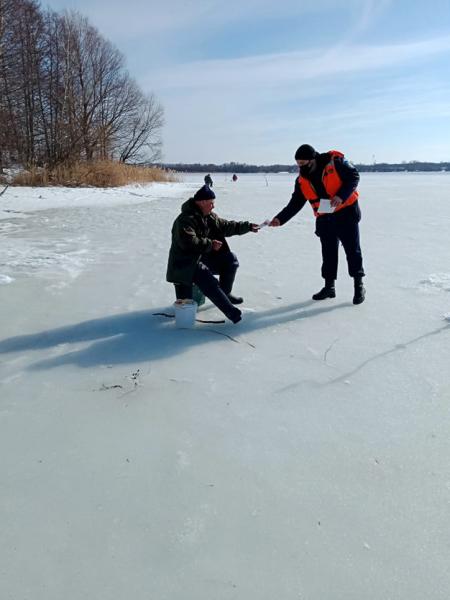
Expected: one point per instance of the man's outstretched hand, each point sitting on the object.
(275, 223)
(254, 227)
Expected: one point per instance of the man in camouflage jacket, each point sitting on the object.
(199, 251)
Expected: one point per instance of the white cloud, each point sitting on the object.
(271, 71)
(128, 20)
(257, 109)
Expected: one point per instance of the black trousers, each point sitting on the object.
(223, 264)
(344, 228)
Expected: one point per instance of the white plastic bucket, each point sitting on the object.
(185, 312)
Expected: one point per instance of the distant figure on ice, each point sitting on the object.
(208, 180)
(331, 177)
(199, 251)
(235, 177)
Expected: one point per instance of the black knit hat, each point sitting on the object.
(305, 152)
(204, 193)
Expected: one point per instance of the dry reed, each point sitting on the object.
(92, 174)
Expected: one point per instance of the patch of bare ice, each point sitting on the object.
(27, 259)
(436, 281)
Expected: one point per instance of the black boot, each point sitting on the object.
(235, 299)
(360, 292)
(328, 291)
(236, 317)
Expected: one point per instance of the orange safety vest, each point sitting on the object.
(332, 184)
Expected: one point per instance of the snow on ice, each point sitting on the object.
(303, 453)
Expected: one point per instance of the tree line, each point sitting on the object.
(65, 94)
(234, 167)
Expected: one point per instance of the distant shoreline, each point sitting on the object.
(410, 167)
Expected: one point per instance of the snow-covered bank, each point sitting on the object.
(303, 453)
(18, 200)
(43, 246)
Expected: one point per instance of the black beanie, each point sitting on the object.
(204, 193)
(305, 152)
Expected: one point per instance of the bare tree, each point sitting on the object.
(140, 136)
(65, 93)
(20, 73)
(9, 132)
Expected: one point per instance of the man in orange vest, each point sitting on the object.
(330, 177)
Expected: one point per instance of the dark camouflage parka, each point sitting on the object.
(192, 235)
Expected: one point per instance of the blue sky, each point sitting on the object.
(250, 80)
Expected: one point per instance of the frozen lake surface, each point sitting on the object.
(301, 454)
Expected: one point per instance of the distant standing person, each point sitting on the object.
(199, 251)
(235, 177)
(208, 180)
(329, 176)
